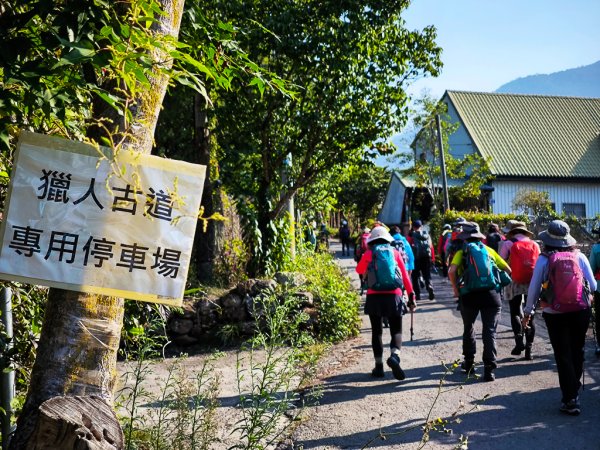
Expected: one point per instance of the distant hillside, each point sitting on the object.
(580, 82)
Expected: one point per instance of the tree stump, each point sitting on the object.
(76, 423)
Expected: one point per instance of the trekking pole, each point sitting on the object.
(412, 322)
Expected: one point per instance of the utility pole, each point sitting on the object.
(442, 163)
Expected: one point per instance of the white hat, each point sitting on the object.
(380, 233)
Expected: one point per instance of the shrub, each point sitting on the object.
(336, 301)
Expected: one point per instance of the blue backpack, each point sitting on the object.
(383, 273)
(478, 273)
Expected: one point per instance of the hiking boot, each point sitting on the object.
(528, 356)
(393, 363)
(378, 372)
(488, 374)
(571, 408)
(519, 345)
(431, 294)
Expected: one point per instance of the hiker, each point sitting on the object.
(521, 253)
(361, 246)
(441, 247)
(454, 244)
(310, 235)
(380, 264)
(559, 282)
(477, 294)
(424, 257)
(324, 236)
(595, 265)
(493, 237)
(401, 244)
(344, 233)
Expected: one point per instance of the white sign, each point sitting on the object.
(83, 219)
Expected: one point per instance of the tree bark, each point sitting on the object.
(207, 243)
(77, 423)
(80, 336)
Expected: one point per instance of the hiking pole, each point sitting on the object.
(412, 322)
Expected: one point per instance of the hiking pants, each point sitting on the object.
(346, 244)
(377, 334)
(516, 314)
(470, 308)
(422, 267)
(567, 336)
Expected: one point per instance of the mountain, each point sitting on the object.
(580, 82)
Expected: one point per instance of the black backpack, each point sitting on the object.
(420, 244)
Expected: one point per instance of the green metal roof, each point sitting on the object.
(533, 135)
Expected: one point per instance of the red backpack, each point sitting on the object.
(361, 246)
(565, 292)
(523, 256)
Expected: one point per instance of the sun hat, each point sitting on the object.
(366, 230)
(493, 228)
(519, 227)
(557, 235)
(380, 233)
(511, 223)
(447, 226)
(470, 230)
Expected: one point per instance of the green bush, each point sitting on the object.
(336, 301)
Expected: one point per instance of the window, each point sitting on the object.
(575, 209)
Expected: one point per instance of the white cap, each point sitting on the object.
(380, 233)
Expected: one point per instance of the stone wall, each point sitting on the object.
(202, 317)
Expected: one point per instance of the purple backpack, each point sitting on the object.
(566, 283)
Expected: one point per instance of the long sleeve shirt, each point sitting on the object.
(363, 265)
(540, 275)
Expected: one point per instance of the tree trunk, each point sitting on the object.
(207, 242)
(78, 346)
(65, 423)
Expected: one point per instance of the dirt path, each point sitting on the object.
(521, 411)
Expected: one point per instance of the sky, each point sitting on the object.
(487, 43)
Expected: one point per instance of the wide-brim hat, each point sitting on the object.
(470, 230)
(557, 235)
(379, 233)
(519, 227)
(510, 224)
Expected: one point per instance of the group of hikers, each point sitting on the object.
(556, 280)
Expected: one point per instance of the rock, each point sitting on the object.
(179, 325)
(306, 298)
(262, 286)
(290, 279)
(233, 307)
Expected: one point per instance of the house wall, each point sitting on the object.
(560, 193)
(460, 142)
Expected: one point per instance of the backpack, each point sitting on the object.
(361, 246)
(420, 245)
(596, 252)
(478, 273)
(523, 255)
(398, 244)
(565, 291)
(383, 273)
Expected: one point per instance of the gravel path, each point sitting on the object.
(520, 412)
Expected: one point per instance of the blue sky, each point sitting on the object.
(487, 43)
